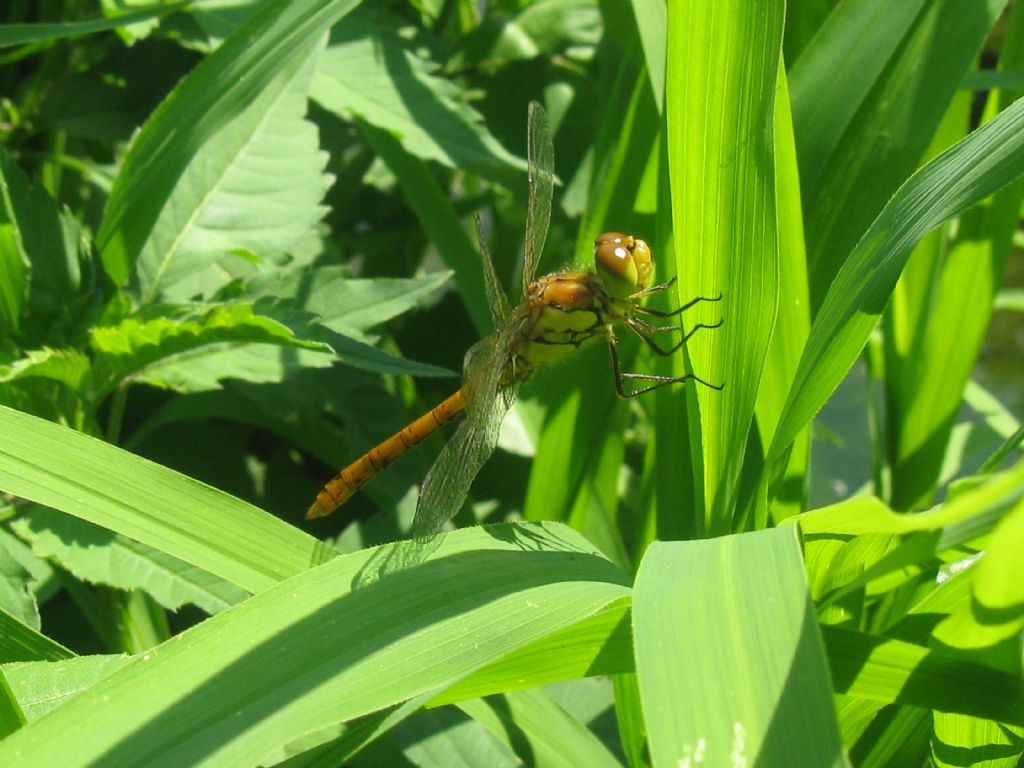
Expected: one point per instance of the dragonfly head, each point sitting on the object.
(623, 262)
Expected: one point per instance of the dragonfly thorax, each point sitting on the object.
(561, 312)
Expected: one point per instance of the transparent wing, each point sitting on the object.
(541, 163)
(496, 296)
(446, 485)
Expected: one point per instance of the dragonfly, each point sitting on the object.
(558, 313)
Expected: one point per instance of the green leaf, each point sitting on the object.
(325, 647)
(551, 735)
(792, 326)
(41, 255)
(438, 218)
(19, 642)
(958, 279)
(22, 34)
(15, 596)
(256, 185)
(278, 39)
(105, 485)
(900, 74)
(373, 73)
(974, 168)
(836, 72)
(721, 151)
(101, 557)
(888, 671)
(729, 617)
(66, 366)
(138, 347)
(344, 304)
(42, 686)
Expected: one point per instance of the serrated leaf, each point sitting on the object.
(257, 185)
(67, 366)
(99, 556)
(136, 344)
(279, 38)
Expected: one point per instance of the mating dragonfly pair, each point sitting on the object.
(558, 313)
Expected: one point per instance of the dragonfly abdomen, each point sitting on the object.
(365, 468)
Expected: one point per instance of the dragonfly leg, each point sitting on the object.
(658, 381)
(673, 312)
(651, 289)
(643, 330)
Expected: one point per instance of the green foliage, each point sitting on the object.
(230, 232)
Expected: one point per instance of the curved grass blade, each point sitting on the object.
(968, 172)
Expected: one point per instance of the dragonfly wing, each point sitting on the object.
(541, 163)
(496, 295)
(446, 485)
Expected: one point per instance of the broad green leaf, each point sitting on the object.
(324, 647)
(988, 743)
(98, 556)
(255, 185)
(651, 23)
(11, 715)
(277, 39)
(996, 610)
(372, 73)
(729, 617)
(722, 80)
(600, 644)
(345, 304)
(974, 168)
(883, 562)
(105, 485)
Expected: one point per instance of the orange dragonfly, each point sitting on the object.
(558, 313)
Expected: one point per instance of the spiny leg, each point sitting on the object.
(659, 381)
(670, 313)
(643, 329)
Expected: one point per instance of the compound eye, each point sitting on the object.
(613, 259)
